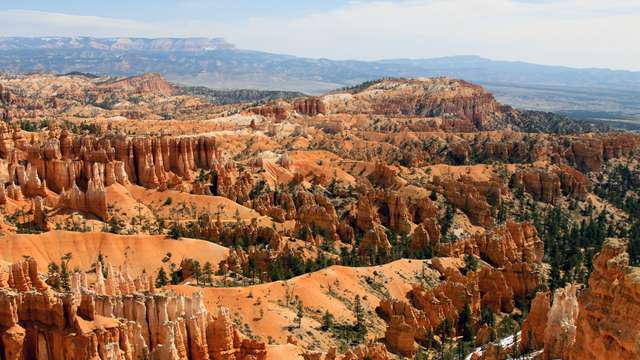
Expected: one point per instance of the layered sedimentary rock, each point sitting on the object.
(279, 111)
(94, 200)
(420, 97)
(607, 324)
(317, 215)
(513, 255)
(371, 351)
(374, 243)
(514, 249)
(475, 198)
(415, 321)
(533, 327)
(36, 322)
(310, 106)
(560, 332)
(550, 184)
(80, 167)
(147, 83)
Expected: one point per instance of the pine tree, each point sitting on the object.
(555, 280)
(175, 278)
(207, 272)
(197, 271)
(465, 322)
(327, 321)
(358, 312)
(502, 213)
(299, 315)
(65, 279)
(161, 279)
(53, 278)
(214, 182)
(471, 263)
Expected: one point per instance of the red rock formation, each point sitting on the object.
(398, 213)
(374, 243)
(384, 176)
(147, 83)
(475, 198)
(367, 215)
(607, 326)
(514, 249)
(370, 351)
(3, 195)
(560, 332)
(407, 323)
(39, 214)
(549, 184)
(49, 325)
(533, 327)
(589, 153)
(310, 106)
(279, 110)
(93, 200)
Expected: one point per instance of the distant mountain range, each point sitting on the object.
(583, 93)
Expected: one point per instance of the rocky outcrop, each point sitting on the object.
(310, 106)
(384, 177)
(429, 307)
(39, 213)
(475, 198)
(370, 351)
(514, 249)
(23, 276)
(533, 327)
(147, 83)
(606, 325)
(93, 201)
(36, 322)
(278, 110)
(560, 332)
(319, 220)
(550, 184)
(80, 167)
(435, 97)
(374, 244)
(589, 153)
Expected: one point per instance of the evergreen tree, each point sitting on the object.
(465, 322)
(65, 279)
(448, 218)
(327, 321)
(634, 244)
(214, 182)
(207, 272)
(161, 279)
(197, 271)
(174, 231)
(470, 263)
(555, 279)
(299, 315)
(175, 277)
(53, 278)
(358, 312)
(502, 213)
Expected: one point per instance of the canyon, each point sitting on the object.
(416, 218)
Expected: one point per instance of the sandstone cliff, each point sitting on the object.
(607, 325)
(36, 322)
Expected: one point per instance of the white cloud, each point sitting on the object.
(568, 32)
(39, 23)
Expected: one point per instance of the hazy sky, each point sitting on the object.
(580, 33)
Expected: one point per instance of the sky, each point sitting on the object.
(576, 33)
